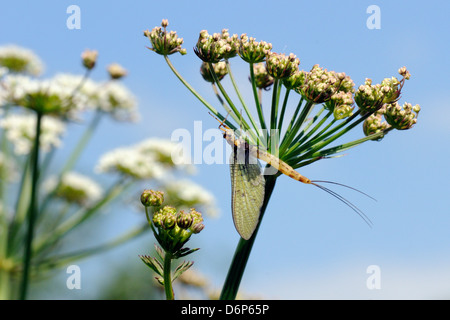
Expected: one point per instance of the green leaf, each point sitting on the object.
(185, 265)
(153, 264)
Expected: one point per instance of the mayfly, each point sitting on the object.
(248, 184)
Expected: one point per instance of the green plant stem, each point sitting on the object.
(283, 110)
(197, 95)
(32, 212)
(80, 216)
(67, 258)
(74, 156)
(257, 99)
(168, 276)
(87, 135)
(244, 248)
(292, 132)
(241, 99)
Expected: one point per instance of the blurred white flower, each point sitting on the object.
(51, 96)
(86, 89)
(15, 86)
(20, 60)
(150, 159)
(130, 162)
(75, 188)
(114, 98)
(20, 131)
(167, 152)
(189, 194)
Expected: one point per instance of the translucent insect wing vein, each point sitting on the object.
(247, 195)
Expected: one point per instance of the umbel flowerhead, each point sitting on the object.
(163, 42)
(263, 79)
(281, 66)
(220, 70)
(172, 228)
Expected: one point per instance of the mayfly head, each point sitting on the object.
(228, 133)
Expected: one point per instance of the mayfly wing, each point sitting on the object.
(247, 191)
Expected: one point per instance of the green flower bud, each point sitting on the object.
(402, 118)
(212, 48)
(197, 228)
(170, 221)
(262, 79)
(391, 88)
(160, 216)
(232, 42)
(163, 42)
(341, 104)
(296, 80)
(368, 97)
(320, 85)
(375, 124)
(404, 73)
(151, 198)
(158, 219)
(253, 51)
(220, 69)
(281, 66)
(184, 220)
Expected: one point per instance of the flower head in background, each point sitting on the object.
(20, 60)
(187, 194)
(55, 96)
(19, 130)
(167, 153)
(130, 162)
(75, 188)
(150, 159)
(117, 100)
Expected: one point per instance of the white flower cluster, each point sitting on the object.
(20, 130)
(75, 93)
(168, 153)
(191, 195)
(75, 188)
(20, 60)
(114, 98)
(150, 159)
(130, 162)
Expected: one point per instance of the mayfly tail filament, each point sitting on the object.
(345, 201)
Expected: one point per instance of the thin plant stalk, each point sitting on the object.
(32, 212)
(241, 99)
(257, 99)
(87, 135)
(197, 95)
(75, 155)
(244, 248)
(168, 276)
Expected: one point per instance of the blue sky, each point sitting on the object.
(310, 246)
